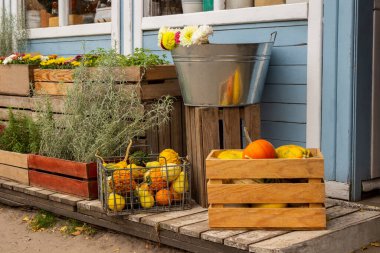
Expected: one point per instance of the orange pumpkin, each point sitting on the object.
(259, 149)
(175, 196)
(163, 197)
(155, 180)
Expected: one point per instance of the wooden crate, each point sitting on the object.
(209, 128)
(268, 2)
(309, 193)
(15, 79)
(156, 81)
(64, 176)
(14, 166)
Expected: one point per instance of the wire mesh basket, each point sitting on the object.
(158, 186)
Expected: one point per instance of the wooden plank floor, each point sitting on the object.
(349, 228)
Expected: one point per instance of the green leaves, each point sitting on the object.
(21, 135)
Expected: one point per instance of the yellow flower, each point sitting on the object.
(35, 58)
(168, 40)
(75, 63)
(187, 34)
(27, 56)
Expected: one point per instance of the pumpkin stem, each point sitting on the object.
(98, 156)
(246, 135)
(127, 152)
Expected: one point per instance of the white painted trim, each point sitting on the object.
(337, 190)
(127, 12)
(219, 5)
(71, 31)
(63, 12)
(138, 9)
(275, 13)
(115, 25)
(314, 74)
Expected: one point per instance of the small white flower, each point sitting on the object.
(201, 35)
(44, 58)
(9, 59)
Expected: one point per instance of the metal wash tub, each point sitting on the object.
(223, 74)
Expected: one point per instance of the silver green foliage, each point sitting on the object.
(13, 32)
(100, 115)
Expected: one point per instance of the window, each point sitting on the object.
(169, 7)
(54, 13)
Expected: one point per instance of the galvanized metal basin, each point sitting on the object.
(222, 75)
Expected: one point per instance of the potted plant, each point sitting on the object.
(17, 140)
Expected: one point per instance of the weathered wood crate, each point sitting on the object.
(16, 79)
(14, 166)
(301, 187)
(75, 178)
(156, 81)
(209, 128)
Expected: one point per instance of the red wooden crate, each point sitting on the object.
(64, 176)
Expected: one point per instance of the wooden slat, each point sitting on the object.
(243, 240)
(4, 113)
(161, 72)
(155, 91)
(231, 128)
(63, 167)
(315, 182)
(51, 88)
(53, 75)
(218, 236)
(294, 218)
(14, 102)
(175, 224)
(176, 128)
(251, 120)
(195, 230)
(14, 173)
(84, 189)
(266, 193)
(264, 168)
(15, 79)
(153, 220)
(57, 103)
(198, 163)
(14, 159)
(164, 140)
(211, 194)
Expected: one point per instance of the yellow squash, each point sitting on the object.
(292, 152)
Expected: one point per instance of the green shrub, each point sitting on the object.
(21, 135)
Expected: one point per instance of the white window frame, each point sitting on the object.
(64, 30)
(311, 11)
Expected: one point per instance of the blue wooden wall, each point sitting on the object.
(69, 46)
(284, 100)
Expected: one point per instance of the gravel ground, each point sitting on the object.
(17, 237)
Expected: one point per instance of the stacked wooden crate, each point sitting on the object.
(209, 128)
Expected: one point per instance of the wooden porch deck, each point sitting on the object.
(349, 227)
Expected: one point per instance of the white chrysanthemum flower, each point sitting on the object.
(44, 58)
(187, 35)
(9, 59)
(201, 35)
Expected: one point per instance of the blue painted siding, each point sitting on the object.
(284, 99)
(69, 46)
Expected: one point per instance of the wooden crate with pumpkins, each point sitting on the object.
(264, 187)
